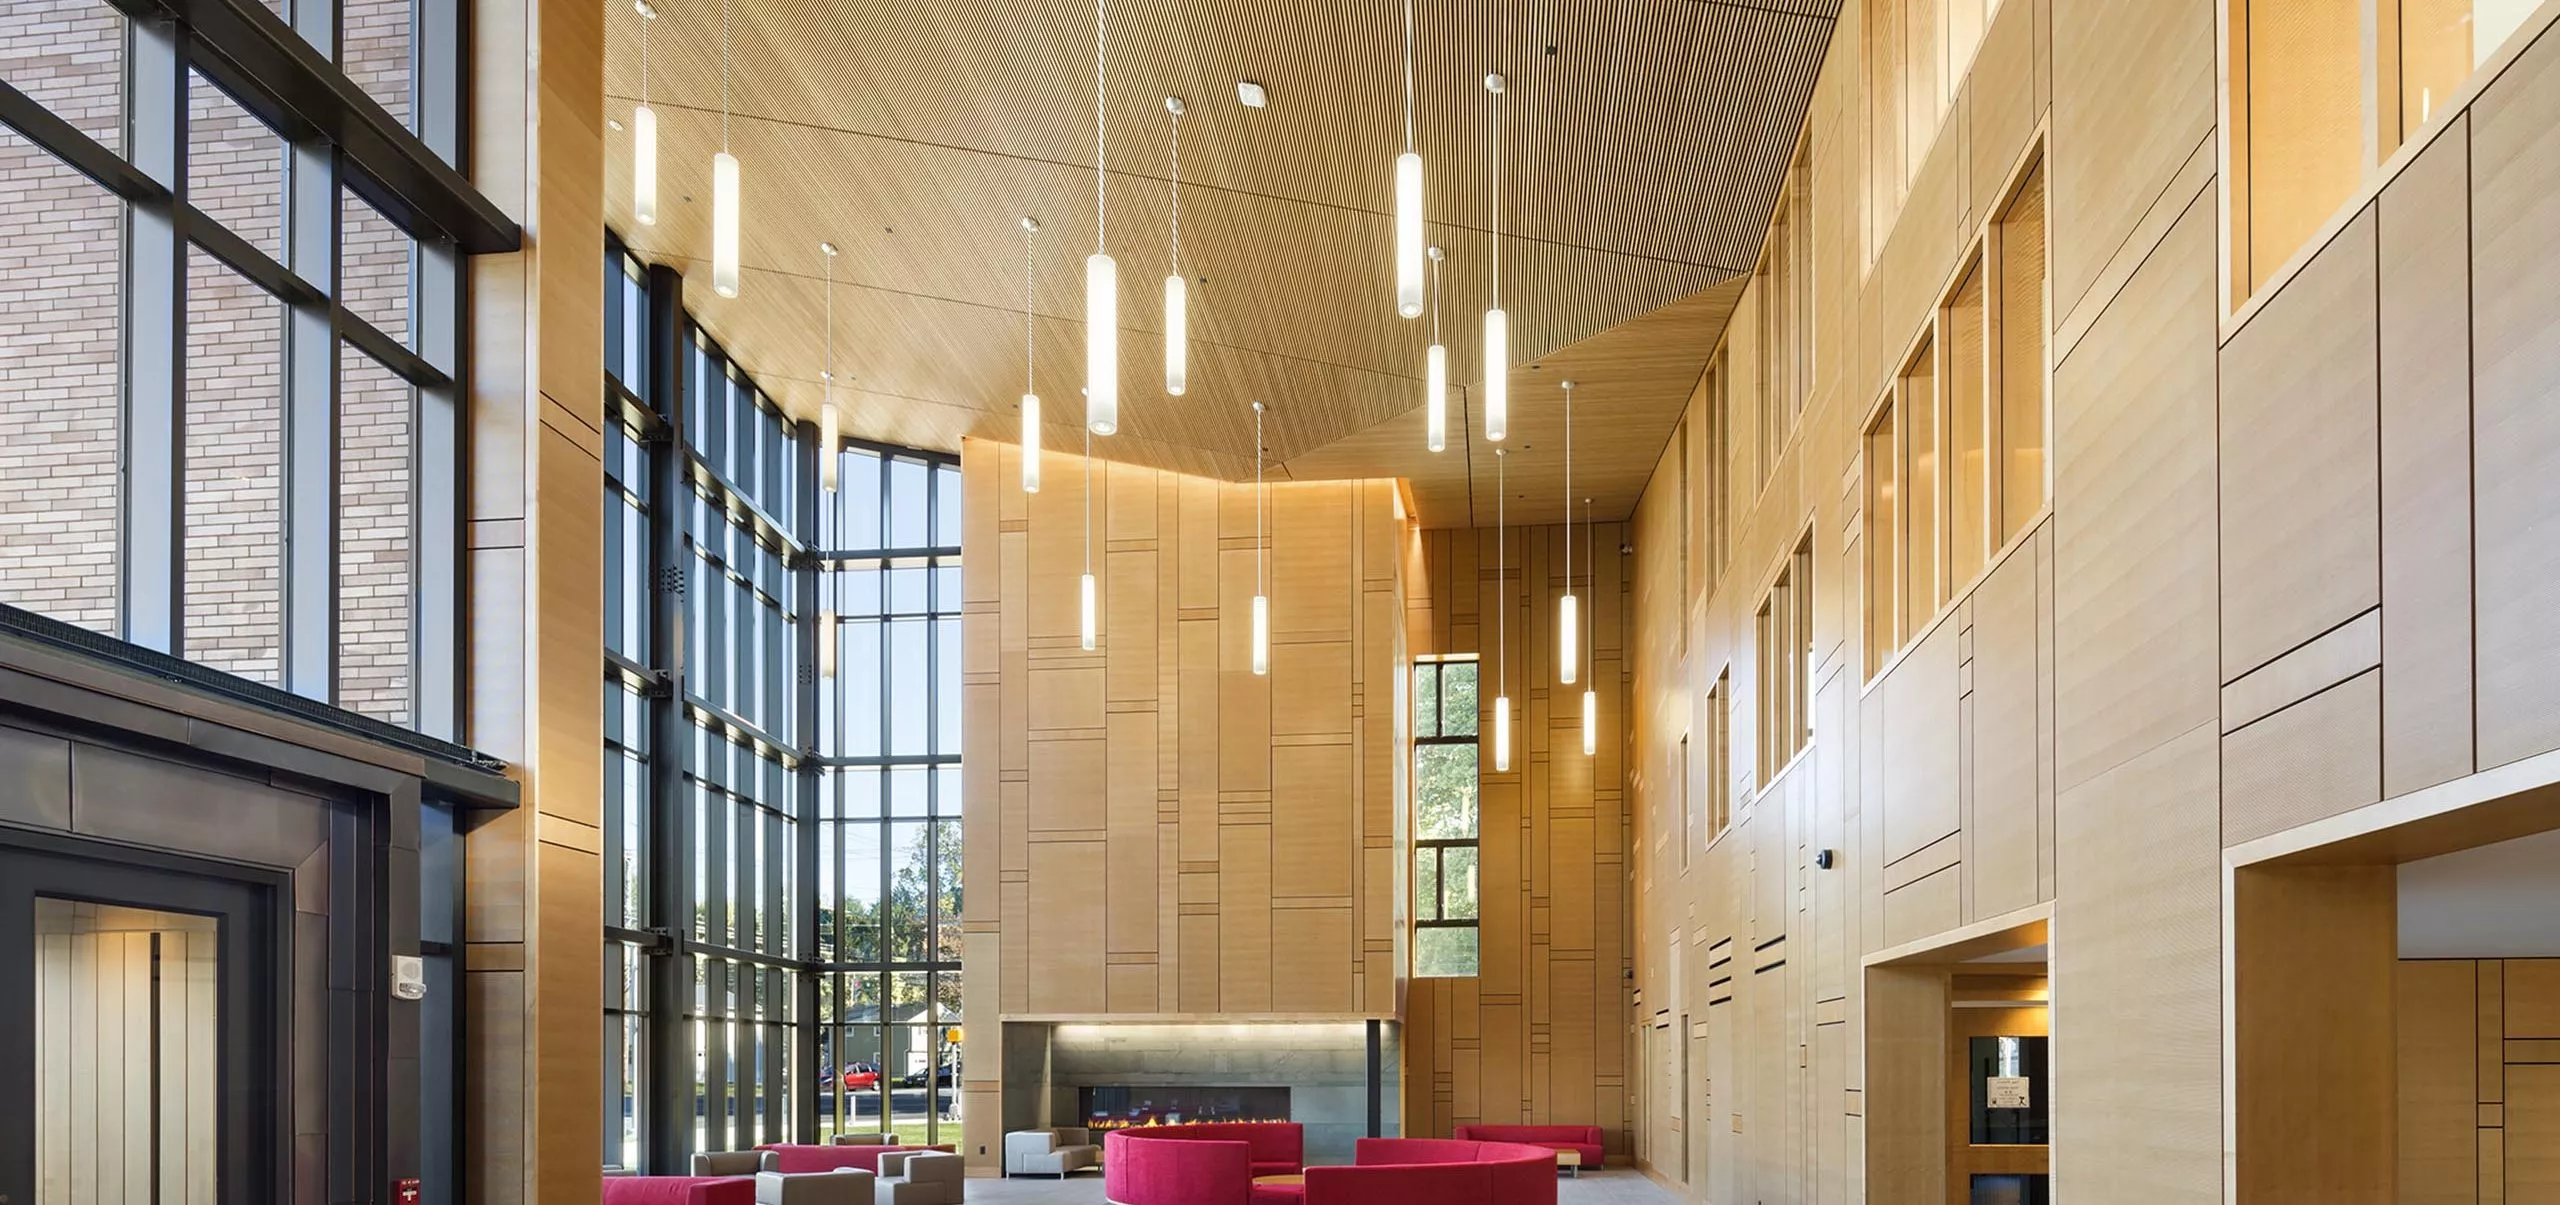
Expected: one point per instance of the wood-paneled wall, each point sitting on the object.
(2297, 561)
(1542, 1034)
(2479, 1092)
(1152, 829)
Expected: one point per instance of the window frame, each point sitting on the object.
(1439, 846)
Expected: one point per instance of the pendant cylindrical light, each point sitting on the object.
(1502, 611)
(1435, 371)
(1497, 325)
(1261, 601)
(724, 185)
(1590, 722)
(827, 644)
(1177, 318)
(1030, 395)
(1590, 695)
(1101, 283)
(827, 418)
(1408, 196)
(644, 131)
(1568, 608)
(1085, 623)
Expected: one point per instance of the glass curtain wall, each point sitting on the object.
(782, 768)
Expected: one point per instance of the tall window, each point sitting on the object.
(889, 935)
(1445, 817)
(1719, 801)
(234, 324)
(1917, 53)
(1784, 626)
(1955, 450)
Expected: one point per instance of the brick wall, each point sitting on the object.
(59, 245)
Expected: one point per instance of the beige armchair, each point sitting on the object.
(735, 1163)
(844, 1186)
(865, 1140)
(1050, 1152)
(920, 1178)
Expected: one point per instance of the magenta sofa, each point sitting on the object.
(1437, 1171)
(791, 1158)
(679, 1190)
(1585, 1139)
(1210, 1164)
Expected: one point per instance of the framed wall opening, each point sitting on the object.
(1959, 1057)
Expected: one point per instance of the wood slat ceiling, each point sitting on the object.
(1641, 160)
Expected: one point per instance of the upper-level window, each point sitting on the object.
(1955, 450)
(1917, 52)
(1445, 820)
(1718, 803)
(1784, 627)
(2322, 94)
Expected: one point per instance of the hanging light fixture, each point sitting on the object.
(1497, 325)
(1101, 284)
(1568, 608)
(1590, 692)
(1261, 599)
(827, 420)
(1502, 612)
(724, 185)
(1086, 624)
(1435, 371)
(1408, 196)
(1177, 318)
(644, 131)
(1030, 395)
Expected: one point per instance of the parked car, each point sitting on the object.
(861, 1077)
(946, 1076)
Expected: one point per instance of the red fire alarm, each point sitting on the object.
(404, 1192)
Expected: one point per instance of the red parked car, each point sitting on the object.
(861, 1077)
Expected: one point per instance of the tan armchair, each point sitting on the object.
(844, 1186)
(920, 1178)
(734, 1163)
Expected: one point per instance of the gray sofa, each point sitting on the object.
(1050, 1152)
(920, 1178)
(845, 1186)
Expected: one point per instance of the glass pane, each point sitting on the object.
(948, 936)
(1458, 882)
(909, 872)
(2022, 342)
(235, 166)
(1426, 699)
(908, 518)
(908, 588)
(68, 56)
(946, 686)
(1442, 952)
(1968, 423)
(373, 538)
(858, 591)
(1458, 698)
(909, 679)
(373, 37)
(858, 678)
(1919, 411)
(1884, 595)
(946, 506)
(234, 458)
(126, 1009)
(373, 267)
(908, 791)
(858, 489)
(911, 1055)
(59, 401)
(1426, 883)
(1444, 791)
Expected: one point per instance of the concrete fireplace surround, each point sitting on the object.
(1324, 1064)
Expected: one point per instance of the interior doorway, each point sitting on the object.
(137, 1005)
(1959, 1066)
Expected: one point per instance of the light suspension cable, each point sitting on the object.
(1435, 371)
(1101, 282)
(1590, 691)
(1177, 317)
(1497, 325)
(1502, 612)
(827, 420)
(1408, 196)
(1030, 392)
(1568, 608)
(644, 130)
(1261, 599)
(1085, 622)
(724, 185)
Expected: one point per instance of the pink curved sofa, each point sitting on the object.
(1437, 1171)
(1585, 1139)
(1208, 1164)
(791, 1158)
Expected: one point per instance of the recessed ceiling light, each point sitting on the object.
(1251, 94)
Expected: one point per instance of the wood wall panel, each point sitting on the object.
(2134, 95)
(2515, 271)
(1921, 740)
(2313, 1031)
(2301, 499)
(2438, 1082)
(2004, 841)
(2307, 762)
(2424, 235)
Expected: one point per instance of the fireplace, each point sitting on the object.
(1121, 1106)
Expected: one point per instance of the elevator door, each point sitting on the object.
(133, 1000)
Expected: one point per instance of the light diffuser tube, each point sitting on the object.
(1261, 634)
(827, 429)
(1568, 647)
(1497, 375)
(1435, 396)
(1085, 631)
(1590, 722)
(644, 164)
(1502, 733)
(1177, 337)
(1409, 234)
(827, 644)
(724, 224)
(1030, 443)
(1101, 345)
